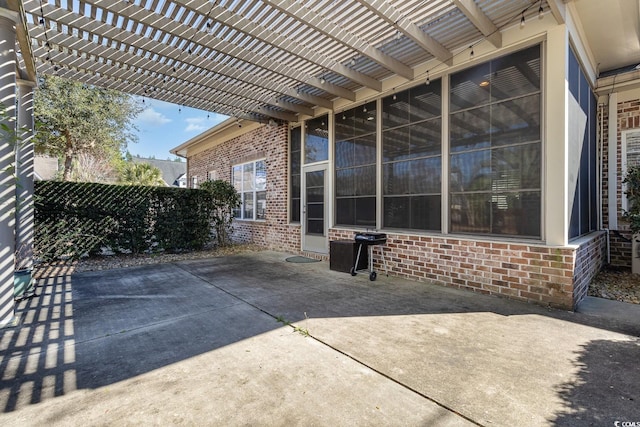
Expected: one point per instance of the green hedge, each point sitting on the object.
(75, 218)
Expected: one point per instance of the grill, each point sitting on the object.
(369, 240)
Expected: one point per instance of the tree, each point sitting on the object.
(74, 118)
(90, 168)
(141, 174)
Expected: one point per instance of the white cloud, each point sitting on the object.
(152, 117)
(196, 124)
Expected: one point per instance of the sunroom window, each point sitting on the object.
(355, 162)
(495, 146)
(412, 158)
(295, 150)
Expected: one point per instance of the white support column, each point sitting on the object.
(556, 205)
(7, 158)
(445, 201)
(24, 174)
(612, 181)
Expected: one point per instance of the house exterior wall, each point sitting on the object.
(552, 271)
(556, 276)
(547, 275)
(628, 117)
(269, 143)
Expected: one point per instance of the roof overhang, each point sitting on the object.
(225, 131)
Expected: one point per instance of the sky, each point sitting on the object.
(163, 126)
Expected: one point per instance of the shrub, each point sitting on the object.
(632, 215)
(75, 218)
(225, 199)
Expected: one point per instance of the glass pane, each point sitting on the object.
(515, 74)
(366, 212)
(426, 101)
(425, 175)
(396, 178)
(426, 213)
(365, 180)
(516, 121)
(296, 136)
(425, 138)
(396, 212)
(315, 194)
(344, 124)
(345, 183)
(344, 153)
(365, 119)
(471, 213)
(315, 179)
(315, 210)
(412, 177)
(295, 186)
(295, 162)
(574, 74)
(365, 150)
(471, 171)
(469, 88)
(395, 110)
(395, 144)
(315, 202)
(295, 210)
(236, 177)
(247, 201)
(345, 211)
(516, 167)
(470, 129)
(261, 205)
(248, 177)
(315, 227)
(316, 146)
(516, 214)
(261, 175)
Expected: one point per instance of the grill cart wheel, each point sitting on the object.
(373, 276)
(353, 271)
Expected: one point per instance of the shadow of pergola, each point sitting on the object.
(94, 329)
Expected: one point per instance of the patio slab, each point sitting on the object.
(205, 342)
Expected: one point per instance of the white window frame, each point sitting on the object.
(253, 191)
(194, 181)
(626, 134)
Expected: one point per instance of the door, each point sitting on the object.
(314, 208)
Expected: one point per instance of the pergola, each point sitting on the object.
(260, 59)
(256, 60)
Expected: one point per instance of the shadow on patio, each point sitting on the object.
(615, 362)
(149, 334)
(94, 329)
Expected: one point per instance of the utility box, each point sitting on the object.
(343, 253)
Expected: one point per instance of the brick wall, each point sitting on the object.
(620, 248)
(528, 272)
(269, 143)
(590, 256)
(628, 117)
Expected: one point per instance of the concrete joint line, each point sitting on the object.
(310, 335)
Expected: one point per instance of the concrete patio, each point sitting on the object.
(205, 342)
